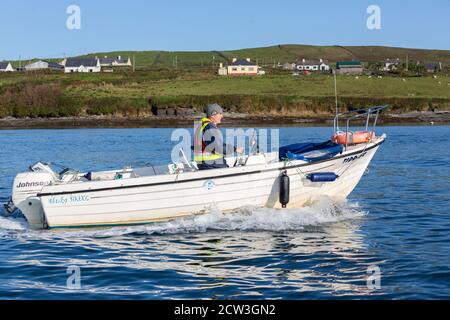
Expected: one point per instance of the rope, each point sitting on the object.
(299, 171)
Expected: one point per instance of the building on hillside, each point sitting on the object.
(433, 67)
(118, 61)
(223, 71)
(288, 66)
(391, 64)
(43, 65)
(242, 67)
(6, 66)
(122, 62)
(106, 62)
(82, 65)
(312, 65)
(349, 67)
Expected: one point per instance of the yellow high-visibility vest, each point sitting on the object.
(204, 155)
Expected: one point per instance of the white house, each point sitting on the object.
(82, 65)
(6, 67)
(288, 66)
(222, 70)
(43, 65)
(241, 67)
(391, 64)
(312, 65)
(118, 61)
(122, 62)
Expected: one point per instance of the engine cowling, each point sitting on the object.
(25, 189)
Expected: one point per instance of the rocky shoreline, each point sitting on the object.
(231, 120)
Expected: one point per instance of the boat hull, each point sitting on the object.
(161, 198)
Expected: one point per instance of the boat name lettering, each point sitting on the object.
(68, 199)
(350, 159)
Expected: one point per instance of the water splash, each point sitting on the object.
(262, 219)
(12, 224)
(244, 219)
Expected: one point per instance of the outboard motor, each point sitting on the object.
(29, 184)
(26, 187)
(43, 167)
(10, 208)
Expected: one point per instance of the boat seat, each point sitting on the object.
(150, 171)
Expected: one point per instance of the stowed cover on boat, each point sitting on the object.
(310, 151)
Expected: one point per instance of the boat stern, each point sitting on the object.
(25, 190)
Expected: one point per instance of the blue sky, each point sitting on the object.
(32, 28)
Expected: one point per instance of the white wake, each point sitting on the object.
(244, 219)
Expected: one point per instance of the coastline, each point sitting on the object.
(231, 120)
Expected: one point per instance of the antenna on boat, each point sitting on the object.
(336, 128)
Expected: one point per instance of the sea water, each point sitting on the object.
(390, 240)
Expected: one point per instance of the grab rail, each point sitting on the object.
(359, 114)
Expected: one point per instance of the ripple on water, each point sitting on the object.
(185, 256)
(244, 219)
(396, 219)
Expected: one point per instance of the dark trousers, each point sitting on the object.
(212, 165)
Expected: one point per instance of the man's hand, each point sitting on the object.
(239, 150)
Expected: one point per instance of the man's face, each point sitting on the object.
(217, 118)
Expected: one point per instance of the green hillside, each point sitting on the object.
(267, 56)
(195, 83)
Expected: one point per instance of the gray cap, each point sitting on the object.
(213, 109)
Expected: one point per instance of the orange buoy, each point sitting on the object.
(353, 137)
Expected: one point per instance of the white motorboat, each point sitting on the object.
(295, 176)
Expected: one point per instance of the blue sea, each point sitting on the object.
(391, 240)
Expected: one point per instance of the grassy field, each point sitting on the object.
(128, 93)
(312, 86)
